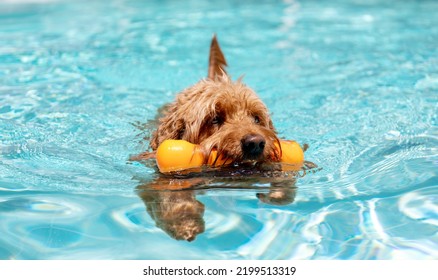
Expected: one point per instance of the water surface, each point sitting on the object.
(356, 80)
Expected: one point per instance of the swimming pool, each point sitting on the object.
(356, 80)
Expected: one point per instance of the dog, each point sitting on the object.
(217, 114)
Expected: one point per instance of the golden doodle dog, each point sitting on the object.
(216, 113)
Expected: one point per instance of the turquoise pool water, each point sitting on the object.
(356, 80)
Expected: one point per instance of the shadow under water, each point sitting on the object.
(171, 200)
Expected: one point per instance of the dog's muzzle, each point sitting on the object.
(253, 146)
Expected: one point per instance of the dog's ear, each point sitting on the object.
(171, 126)
(271, 125)
(217, 62)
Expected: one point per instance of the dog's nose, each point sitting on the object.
(253, 145)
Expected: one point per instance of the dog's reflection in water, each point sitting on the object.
(172, 204)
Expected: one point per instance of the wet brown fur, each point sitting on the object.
(217, 113)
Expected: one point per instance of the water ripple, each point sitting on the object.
(381, 170)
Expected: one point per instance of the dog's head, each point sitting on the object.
(222, 115)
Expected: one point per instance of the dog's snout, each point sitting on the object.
(253, 145)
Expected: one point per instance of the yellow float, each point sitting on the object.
(178, 155)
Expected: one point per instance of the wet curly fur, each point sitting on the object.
(220, 114)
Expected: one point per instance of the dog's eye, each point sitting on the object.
(256, 119)
(216, 120)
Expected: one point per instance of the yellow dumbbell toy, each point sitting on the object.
(292, 154)
(177, 155)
